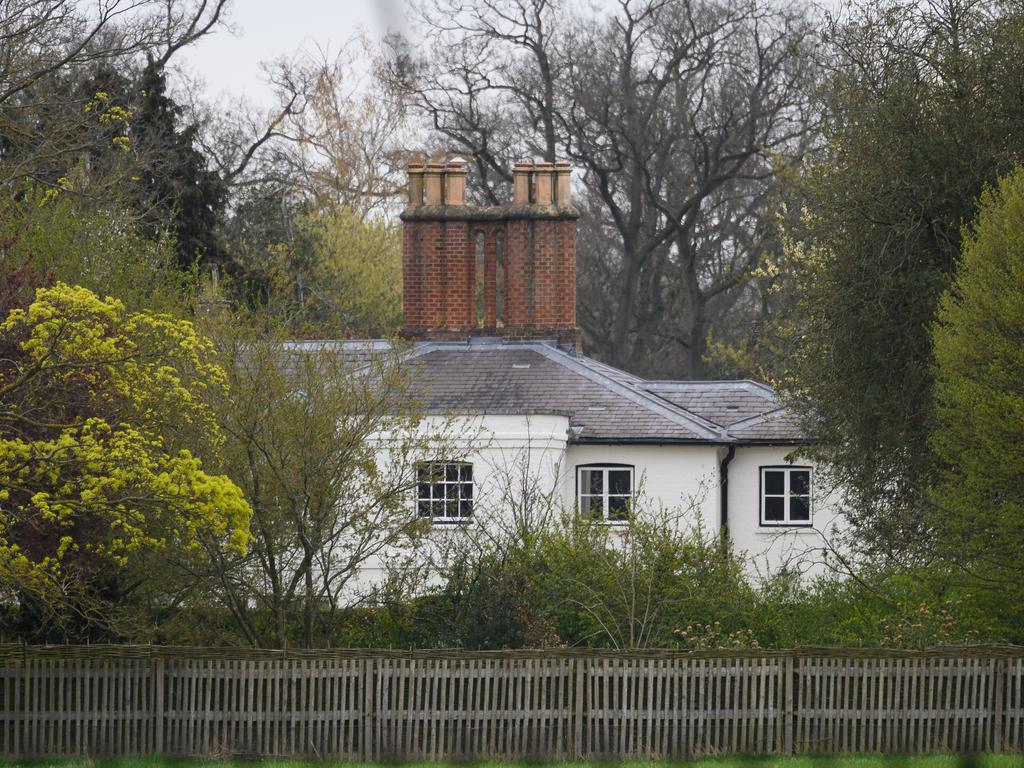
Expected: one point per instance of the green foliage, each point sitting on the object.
(489, 602)
(911, 140)
(59, 237)
(979, 417)
(324, 275)
(101, 431)
(329, 496)
(631, 587)
(359, 288)
(891, 608)
(590, 586)
(110, 133)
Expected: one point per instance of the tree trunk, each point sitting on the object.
(309, 612)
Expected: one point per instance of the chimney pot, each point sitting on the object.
(543, 189)
(455, 184)
(563, 183)
(521, 182)
(434, 183)
(415, 185)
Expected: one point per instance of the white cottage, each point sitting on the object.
(490, 311)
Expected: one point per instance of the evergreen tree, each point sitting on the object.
(979, 424)
(924, 110)
(178, 187)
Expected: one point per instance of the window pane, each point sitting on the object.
(800, 482)
(436, 508)
(774, 508)
(618, 482)
(423, 508)
(451, 472)
(800, 508)
(466, 508)
(618, 507)
(591, 481)
(424, 491)
(592, 507)
(775, 482)
(451, 508)
(466, 473)
(467, 491)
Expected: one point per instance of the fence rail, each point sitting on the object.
(375, 705)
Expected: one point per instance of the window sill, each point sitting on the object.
(450, 523)
(769, 530)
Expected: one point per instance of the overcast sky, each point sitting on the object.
(229, 63)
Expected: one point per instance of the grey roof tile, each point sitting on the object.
(516, 377)
(602, 402)
(722, 402)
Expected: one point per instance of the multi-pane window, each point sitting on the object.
(444, 491)
(605, 492)
(785, 496)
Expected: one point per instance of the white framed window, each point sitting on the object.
(605, 491)
(444, 491)
(785, 496)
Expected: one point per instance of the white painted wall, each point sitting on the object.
(801, 549)
(520, 462)
(517, 470)
(680, 478)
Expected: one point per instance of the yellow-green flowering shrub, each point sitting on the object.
(103, 419)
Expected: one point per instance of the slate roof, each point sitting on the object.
(723, 402)
(604, 404)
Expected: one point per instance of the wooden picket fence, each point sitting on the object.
(381, 705)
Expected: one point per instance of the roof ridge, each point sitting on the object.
(637, 395)
(668, 402)
(747, 384)
(751, 421)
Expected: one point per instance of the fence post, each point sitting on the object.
(20, 680)
(999, 671)
(578, 709)
(786, 695)
(368, 709)
(158, 705)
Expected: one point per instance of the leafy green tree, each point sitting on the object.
(923, 111)
(358, 289)
(333, 274)
(323, 441)
(979, 408)
(103, 427)
(99, 248)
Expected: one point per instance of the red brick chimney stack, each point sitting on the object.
(503, 270)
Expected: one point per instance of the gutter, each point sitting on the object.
(723, 475)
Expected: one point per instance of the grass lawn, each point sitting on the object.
(866, 761)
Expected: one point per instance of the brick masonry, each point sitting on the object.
(527, 251)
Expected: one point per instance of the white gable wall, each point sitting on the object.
(772, 548)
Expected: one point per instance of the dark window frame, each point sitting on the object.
(605, 465)
(787, 521)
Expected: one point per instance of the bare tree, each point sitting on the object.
(680, 115)
(338, 137)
